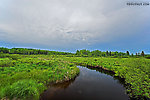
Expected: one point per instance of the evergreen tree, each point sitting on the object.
(132, 54)
(128, 53)
(110, 53)
(142, 54)
(107, 53)
(136, 54)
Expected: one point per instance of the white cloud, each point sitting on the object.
(68, 22)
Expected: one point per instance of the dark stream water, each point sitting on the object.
(88, 85)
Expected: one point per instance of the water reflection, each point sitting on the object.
(62, 85)
(120, 80)
(91, 84)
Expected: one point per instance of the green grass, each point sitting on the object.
(136, 71)
(23, 89)
(23, 74)
(39, 70)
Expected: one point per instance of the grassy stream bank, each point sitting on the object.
(27, 76)
(135, 71)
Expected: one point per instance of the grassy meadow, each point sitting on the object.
(26, 74)
(26, 77)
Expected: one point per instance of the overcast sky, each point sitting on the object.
(68, 25)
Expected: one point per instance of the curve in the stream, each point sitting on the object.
(89, 85)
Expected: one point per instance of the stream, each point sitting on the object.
(90, 84)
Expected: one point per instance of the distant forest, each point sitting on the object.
(79, 53)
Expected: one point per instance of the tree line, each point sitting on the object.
(79, 53)
(26, 51)
(97, 53)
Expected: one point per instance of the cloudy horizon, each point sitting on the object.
(68, 25)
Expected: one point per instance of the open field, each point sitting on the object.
(27, 76)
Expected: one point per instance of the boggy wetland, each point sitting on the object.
(30, 74)
(89, 84)
(74, 50)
